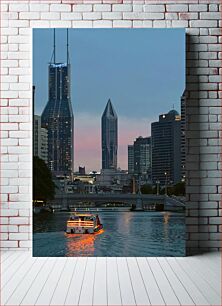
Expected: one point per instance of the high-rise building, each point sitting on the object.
(166, 154)
(183, 140)
(57, 116)
(109, 137)
(40, 134)
(130, 159)
(82, 170)
(142, 155)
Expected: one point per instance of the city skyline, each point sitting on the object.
(128, 83)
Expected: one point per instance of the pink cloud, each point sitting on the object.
(87, 142)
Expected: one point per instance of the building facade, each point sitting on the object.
(58, 119)
(40, 143)
(130, 159)
(109, 135)
(142, 156)
(82, 170)
(166, 151)
(113, 180)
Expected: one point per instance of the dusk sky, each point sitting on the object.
(142, 71)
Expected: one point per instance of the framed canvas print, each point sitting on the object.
(109, 142)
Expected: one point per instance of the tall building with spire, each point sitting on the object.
(57, 117)
(109, 137)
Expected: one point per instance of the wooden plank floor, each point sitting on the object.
(26, 280)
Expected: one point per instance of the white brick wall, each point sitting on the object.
(201, 19)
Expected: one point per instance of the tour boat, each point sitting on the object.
(83, 224)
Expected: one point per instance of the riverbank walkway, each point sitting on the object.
(27, 280)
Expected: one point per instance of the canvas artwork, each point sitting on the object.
(109, 142)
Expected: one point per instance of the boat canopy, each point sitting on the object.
(86, 217)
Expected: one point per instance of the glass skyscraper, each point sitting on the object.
(142, 155)
(166, 151)
(130, 159)
(109, 137)
(58, 119)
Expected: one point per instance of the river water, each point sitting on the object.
(125, 234)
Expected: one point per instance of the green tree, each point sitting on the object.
(179, 189)
(43, 185)
(146, 189)
(154, 190)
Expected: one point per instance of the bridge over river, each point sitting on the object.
(139, 201)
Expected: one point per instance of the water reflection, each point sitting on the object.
(81, 244)
(125, 234)
(166, 217)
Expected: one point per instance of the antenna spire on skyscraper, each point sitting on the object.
(53, 58)
(67, 45)
(54, 46)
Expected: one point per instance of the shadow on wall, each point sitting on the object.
(192, 132)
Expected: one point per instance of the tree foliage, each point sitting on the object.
(146, 189)
(43, 185)
(177, 189)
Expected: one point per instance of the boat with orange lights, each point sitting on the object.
(83, 224)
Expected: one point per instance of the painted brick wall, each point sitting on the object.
(201, 18)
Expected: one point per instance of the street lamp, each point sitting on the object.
(165, 183)
(157, 187)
